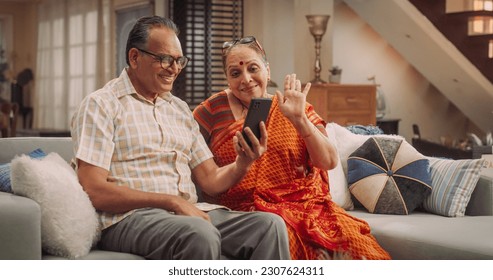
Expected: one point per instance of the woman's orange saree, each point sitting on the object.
(283, 181)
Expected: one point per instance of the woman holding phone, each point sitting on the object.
(290, 179)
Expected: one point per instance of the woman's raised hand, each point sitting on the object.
(292, 102)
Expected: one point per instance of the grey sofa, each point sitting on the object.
(426, 236)
(20, 217)
(416, 236)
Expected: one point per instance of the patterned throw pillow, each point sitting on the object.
(453, 182)
(388, 176)
(347, 140)
(365, 129)
(5, 184)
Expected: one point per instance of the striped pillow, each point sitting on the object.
(453, 182)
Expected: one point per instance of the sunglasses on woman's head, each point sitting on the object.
(244, 40)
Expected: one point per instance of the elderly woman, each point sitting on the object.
(290, 179)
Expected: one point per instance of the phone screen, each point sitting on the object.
(257, 111)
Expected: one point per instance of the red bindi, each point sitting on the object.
(241, 62)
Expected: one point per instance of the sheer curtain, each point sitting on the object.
(72, 58)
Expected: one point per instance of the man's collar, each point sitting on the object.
(130, 89)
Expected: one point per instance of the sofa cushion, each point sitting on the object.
(347, 140)
(365, 129)
(453, 182)
(5, 182)
(337, 179)
(96, 254)
(20, 228)
(14, 146)
(481, 202)
(69, 224)
(425, 236)
(388, 176)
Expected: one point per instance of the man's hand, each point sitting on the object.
(215, 180)
(182, 207)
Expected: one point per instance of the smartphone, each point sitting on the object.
(257, 111)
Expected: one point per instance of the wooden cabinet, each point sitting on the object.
(389, 126)
(344, 104)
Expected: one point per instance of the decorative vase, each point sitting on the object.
(381, 107)
(317, 25)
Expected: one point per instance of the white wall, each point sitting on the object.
(282, 29)
(353, 45)
(361, 52)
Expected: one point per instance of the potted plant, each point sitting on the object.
(335, 75)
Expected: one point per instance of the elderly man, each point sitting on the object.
(140, 156)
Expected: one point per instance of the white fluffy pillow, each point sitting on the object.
(69, 223)
(337, 179)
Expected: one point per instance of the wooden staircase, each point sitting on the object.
(454, 26)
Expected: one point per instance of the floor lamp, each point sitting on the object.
(317, 25)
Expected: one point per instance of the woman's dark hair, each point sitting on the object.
(137, 38)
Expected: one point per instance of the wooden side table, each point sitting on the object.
(389, 126)
(344, 104)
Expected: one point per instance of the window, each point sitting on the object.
(82, 55)
(68, 58)
(483, 5)
(480, 25)
(204, 26)
(457, 6)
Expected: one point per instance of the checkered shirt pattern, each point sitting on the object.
(147, 146)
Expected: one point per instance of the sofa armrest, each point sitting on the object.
(20, 228)
(481, 203)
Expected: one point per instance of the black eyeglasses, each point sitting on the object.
(167, 60)
(244, 40)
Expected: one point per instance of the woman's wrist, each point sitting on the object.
(312, 131)
(304, 127)
(241, 168)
